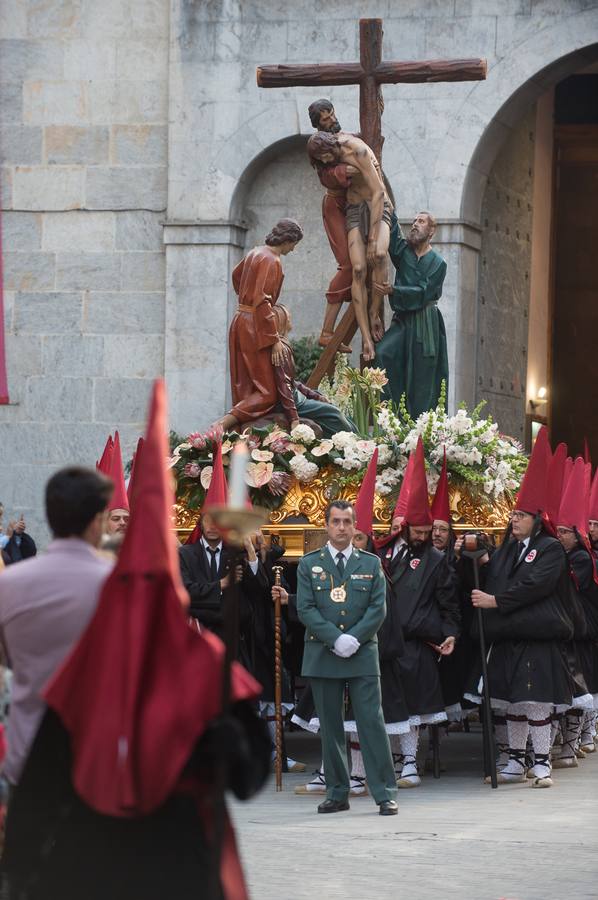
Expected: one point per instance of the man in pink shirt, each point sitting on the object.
(46, 602)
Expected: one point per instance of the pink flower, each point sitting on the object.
(192, 470)
(258, 474)
(197, 440)
(206, 476)
(214, 433)
(279, 445)
(279, 483)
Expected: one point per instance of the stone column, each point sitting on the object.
(199, 296)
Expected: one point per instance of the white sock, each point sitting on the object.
(540, 729)
(517, 730)
(409, 744)
(357, 767)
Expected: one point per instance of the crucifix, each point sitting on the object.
(369, 73)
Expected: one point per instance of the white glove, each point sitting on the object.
(346, 645)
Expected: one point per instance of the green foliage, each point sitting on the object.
(307, 352)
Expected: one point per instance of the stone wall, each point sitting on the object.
(504, 283)
(83, 132)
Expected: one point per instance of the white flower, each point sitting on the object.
(226, 447)
(344, 439)
(304, 434)
(323, 448)
(206, 476)
(382, 488)
(258, 474)
(261, 455)
(302, 469)
(384, 454)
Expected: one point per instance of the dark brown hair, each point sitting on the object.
(287, 230)
(338, 504)
(322, 142)
(74, 496)
(317, 107)
(283, 321)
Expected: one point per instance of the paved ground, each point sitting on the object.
(453, 838)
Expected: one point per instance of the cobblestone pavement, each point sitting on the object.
(453, 838)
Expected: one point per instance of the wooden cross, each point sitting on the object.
(369, 73)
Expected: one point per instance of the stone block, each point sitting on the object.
(55, 103)
(454, 38)
(13, 20)
(60, 18)
(80, 230)
(11, 101)
(23, 355)
(128, 102)
(251, 41)
(139, 230)
(29, 271)
(50, 398)
(142, 60)
(48, 313)
(20, 145)
(48, 187)
(73, 355)
(21, 231)
(124, 313)
(115, 19)
(310, 41)
(89, 59)
(135, 144)
(9, 304)
(77, 145)
(493, 7)
(6, 176)
(134, 355)
(26, 60)
(143, 271)
(121, 400)
(87, 271)
(126, 187)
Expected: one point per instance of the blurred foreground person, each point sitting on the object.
(122, 794)
(47, 602)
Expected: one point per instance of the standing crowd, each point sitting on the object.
(114, 736)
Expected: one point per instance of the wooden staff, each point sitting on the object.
(278, 679)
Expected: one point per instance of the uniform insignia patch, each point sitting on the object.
(317, 569)
(414, 563)
(531, 556)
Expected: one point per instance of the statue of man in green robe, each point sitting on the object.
(413, 350)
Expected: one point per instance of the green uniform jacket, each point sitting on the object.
(361, 614)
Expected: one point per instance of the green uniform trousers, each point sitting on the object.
(366, 701)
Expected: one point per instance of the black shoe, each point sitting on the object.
(389, 808)
(329, 806)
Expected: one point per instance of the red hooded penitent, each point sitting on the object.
(532, 493)
(140, 687)
(103, 465)
(119, 499)
(441, 509)
(364, 502)
(418, 512)
(216, 496)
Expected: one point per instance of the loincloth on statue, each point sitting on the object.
(357, 215)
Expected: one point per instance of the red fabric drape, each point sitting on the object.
(3, 378)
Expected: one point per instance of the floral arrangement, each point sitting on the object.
(490, 463)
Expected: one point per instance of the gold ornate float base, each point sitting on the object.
(298, 523)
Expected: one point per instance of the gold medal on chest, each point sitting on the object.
(338, 594)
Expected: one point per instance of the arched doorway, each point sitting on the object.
(511, 189)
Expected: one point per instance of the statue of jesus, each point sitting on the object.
(367, 216)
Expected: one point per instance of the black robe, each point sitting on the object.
(58, 848)
(528, 631)
(424, 602)
(586, 644)
(205, 594)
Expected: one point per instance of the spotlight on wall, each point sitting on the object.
(540, 399)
